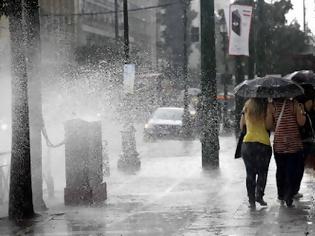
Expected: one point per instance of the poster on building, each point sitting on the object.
(129, 78)
(239, 27)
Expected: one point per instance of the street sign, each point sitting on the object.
(129, 78)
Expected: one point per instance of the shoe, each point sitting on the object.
(289, 202)
(280, 198)
(252, 205)
(261, 201)
(298, 196)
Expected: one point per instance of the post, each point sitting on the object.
(261, 42)
(239, 102)
(35, 99)
(304, 17)
(209, 137)
(186, 117)
(252, 50)
(129, 159)
(240, 61)
(20, 194)
(126, 32)
(226, 76)
(116, 22)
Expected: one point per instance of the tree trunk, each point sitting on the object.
(20, 195)
(31, 10)
(210, 134)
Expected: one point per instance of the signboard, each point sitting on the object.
(129, 78)
(239, 27)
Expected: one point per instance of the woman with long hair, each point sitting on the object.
(256, 147)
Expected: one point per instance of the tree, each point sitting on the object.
(282, 41)
(20, 195)
(172, 42)
(32, 29)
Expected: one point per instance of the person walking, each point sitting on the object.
(288, 116)
(307, 134)
(256, 148)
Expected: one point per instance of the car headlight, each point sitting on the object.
(4, 126)
(148, 126)
(192, 113)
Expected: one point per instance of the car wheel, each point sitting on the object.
(148, 138)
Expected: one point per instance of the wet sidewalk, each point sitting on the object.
(172, 195)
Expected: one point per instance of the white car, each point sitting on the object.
(165, 122)
(5, 135)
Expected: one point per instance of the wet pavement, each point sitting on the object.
(173, 195)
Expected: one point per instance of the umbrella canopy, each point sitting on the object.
(268, 87)
(302, 77)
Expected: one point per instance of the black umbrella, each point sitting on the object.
(302, 77)
(268, 87)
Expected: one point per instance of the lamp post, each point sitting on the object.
(129, 158)
(261, 40)
(210, 136)
(116, 21)
(225, 77)
(304, 17)
(186, 116)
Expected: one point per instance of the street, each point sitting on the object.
(172, 195)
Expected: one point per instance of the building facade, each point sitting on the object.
(70, 24)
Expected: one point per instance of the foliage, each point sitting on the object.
(171, 46)
(3, 7)
(282, 40)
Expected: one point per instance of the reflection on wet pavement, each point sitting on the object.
(173, 195)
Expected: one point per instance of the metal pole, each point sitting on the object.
(239, 102)
(240, 62)
(304, 17)
(116, 21)
(225, 81)
(33, 52)
(129, 159)
(126, 32)
(252, 50)
(210, 136)
(261, 42)
(20, 194)
(186, 116)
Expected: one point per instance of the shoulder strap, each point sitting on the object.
(280, 116)
(311, 125)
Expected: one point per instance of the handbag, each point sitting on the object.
(238, 151)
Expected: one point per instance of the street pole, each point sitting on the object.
(240, 62)
(225, 76)
(239, 102)
(304, 17)
(210, 135)
(31, 8)
(260, 40)
(252, 51)
(116, 21)
(129, 158)
(126, 32)
(20, 194)
(186, 116)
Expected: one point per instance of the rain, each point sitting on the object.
(121, 117)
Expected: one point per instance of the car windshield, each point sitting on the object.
(168, 114)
